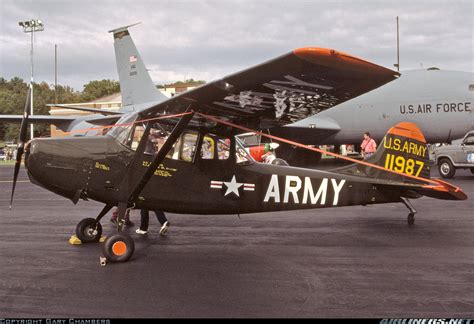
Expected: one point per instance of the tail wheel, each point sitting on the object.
(88, 230)
(446, 168)
(411, 219)
(118, 247)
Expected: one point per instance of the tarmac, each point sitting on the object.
(336, 262)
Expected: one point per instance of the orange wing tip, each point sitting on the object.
(444, 186)
(331, 57)
(409, 130)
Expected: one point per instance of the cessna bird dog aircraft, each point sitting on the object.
(182, 155)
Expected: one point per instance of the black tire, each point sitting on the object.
(278, 161)
(472, 170)
(411, 219)
(118, 247)
(446, 168)
(88, 230)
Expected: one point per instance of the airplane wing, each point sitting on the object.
(95, 110)
(40, 119)
(283, 90)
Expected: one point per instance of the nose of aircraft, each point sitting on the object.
(51, 165)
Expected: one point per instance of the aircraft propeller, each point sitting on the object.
(21, 142)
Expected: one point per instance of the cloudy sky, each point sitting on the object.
(210, 39)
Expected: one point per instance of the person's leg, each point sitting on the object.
(128, 222)
(113, 219)
(144, 215)
(163, 221)
(161, 217)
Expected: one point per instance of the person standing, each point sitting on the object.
(368, 146)
(145, 217)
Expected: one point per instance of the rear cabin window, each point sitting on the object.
(214, 147)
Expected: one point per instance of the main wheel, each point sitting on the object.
(118, 247)
(472, 170)
(88, 230)
(446, 168)
(411, 219)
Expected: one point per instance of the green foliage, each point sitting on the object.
(187, 82)
(13, 98)
(98, 89)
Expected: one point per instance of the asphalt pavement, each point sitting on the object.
(335, 262)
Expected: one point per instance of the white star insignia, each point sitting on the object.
(233, 186)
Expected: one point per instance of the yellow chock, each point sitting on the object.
(74, 240)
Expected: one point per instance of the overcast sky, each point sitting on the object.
(210, 39)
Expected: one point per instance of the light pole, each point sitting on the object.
(32, 26)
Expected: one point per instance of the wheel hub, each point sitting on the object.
(444, 168)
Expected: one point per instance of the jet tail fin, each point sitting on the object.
(136, 85)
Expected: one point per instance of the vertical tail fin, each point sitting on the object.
(403, 149)
(136, 85)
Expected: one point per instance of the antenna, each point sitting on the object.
(397, 65)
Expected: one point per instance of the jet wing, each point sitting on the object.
(40, 119)
(283, 90)
(80, 108)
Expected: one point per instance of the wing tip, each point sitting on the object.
(331, 56)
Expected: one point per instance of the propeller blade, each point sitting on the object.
(21, 144)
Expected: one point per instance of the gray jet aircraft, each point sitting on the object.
(439, 102)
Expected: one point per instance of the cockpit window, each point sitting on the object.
(242, 155)
(124, 124)
(130, 135)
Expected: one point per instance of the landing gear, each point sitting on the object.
(411, 215)
(118, 247)
(89, 230)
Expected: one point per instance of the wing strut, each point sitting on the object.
(131, 189)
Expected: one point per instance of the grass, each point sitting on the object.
(7, 163)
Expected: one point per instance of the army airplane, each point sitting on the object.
(137, 89)
(182, 154)
(425, 97)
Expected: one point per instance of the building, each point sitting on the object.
(114, 102)
(110, 102)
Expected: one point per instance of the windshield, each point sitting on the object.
(124, 125)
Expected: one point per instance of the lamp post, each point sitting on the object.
(32, 26)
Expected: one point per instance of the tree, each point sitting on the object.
(97, 89)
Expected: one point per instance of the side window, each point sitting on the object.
(223, 148)
(469, 140)
(207, 148)
(189, 147)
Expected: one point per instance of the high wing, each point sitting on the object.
(283, 90)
